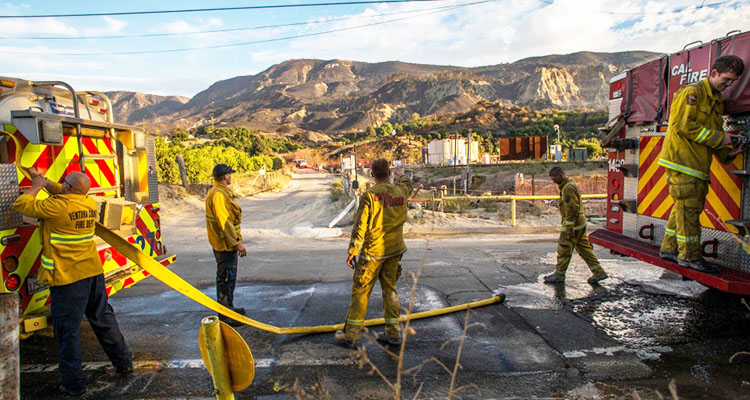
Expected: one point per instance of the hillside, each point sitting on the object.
(339, 96)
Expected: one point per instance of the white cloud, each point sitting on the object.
(490, 33)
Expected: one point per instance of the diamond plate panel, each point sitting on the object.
(731, 254)
(659, 226)
(631, 156)
(630, 188)
(614, 107)
(8, 193)
(153, 188)
(629, 225)
(742, 124)
(632, 132)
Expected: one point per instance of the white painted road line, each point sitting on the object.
(186, 364)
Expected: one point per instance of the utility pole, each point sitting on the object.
(468, 163)
(455, 160)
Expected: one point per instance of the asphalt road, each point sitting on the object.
(634, 332)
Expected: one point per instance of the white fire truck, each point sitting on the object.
(639, 204)
(56, 130)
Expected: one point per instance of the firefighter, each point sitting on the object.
(694, 136)
(223, 218)
(379, 240)
(573, 232)
(71, 267)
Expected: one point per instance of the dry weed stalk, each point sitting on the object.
(317, 391)
(364, 361)
(746, 353)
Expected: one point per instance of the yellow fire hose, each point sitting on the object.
(172, 280)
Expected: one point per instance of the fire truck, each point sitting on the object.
(56, 130)
(638, 203)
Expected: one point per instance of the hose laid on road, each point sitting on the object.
(172, 280)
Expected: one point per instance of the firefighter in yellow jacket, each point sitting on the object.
(71, 267)
(379, 240)
(573, 232)
(694, 136)
(223, 219)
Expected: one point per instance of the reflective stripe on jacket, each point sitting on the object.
(378, 226)
(67, 234)
(223, 219)
(571, 206)
(695, 131)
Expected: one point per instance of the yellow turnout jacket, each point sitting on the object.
(571, 206)
(223, 218)
(378, 226)
(67, 234)
(695, 131)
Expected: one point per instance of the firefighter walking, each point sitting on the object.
(379, 240)
(71, 267)
(573, 232)
(223, 219)
(694, 136)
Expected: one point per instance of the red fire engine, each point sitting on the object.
(56, 130)
(639, 204)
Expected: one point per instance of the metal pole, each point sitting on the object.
(513, 212)
(455, 149)
(183, 172)
(9, 378)
(217, 358)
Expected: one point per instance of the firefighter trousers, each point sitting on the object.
(682, 235)
(226, 276)
(68, 306)
(366, 273)
(579, 242)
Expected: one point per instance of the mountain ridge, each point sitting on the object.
(339, 96)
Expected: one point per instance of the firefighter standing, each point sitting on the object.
(71, 267)
(694, 136)
(573, 233)
(223, 218)
(379, 240)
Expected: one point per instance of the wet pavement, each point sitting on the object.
(637, 331)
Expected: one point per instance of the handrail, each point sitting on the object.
(76, 111)
(510, 197)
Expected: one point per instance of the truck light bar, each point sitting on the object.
(7, 83)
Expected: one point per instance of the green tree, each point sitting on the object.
(593, 148)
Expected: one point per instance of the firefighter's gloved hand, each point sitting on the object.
(241, 250)
(738, 141)
(350, 261)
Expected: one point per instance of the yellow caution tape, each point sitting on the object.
(172, 280)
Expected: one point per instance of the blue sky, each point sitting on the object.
(168, 57)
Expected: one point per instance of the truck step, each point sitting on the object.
(727, 280)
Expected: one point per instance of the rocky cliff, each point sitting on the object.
(336, 96)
